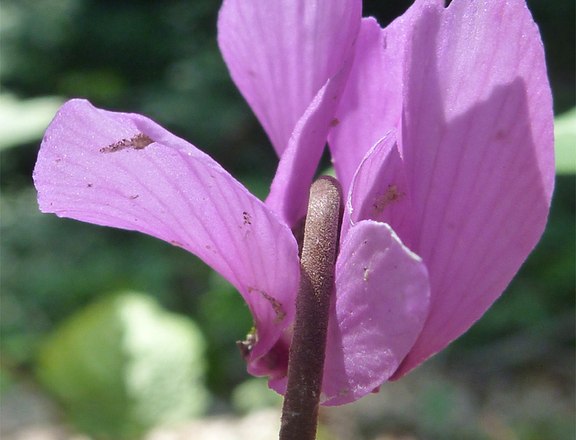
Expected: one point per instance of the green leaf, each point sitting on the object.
(254, 394)
(124, 365)
(565, 139)
(25, 120)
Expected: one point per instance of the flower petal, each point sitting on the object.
(124, 170)
(379, 190)
(371, 104)
(289, 192)
(477, 146)
(380, 306)
(282, 52)
(372, 101)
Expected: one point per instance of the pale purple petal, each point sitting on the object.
(125, 171)
(372, 102)
(289, 192)
(280, 53)
(379, 308)
(379, 190)
(477, 146)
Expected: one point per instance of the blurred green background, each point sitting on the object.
(82, 352)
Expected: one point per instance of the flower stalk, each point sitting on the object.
(307, 351)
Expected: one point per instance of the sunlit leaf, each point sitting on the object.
(24, 121)
(565, 137)
(124, 365)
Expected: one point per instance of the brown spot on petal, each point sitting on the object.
(334, 122)
(247, 218)
(134, 197)
(391, 195)
(501, 134)
(138, 142)
(276, 305)
(343, 392)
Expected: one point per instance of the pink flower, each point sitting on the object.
(440, 128)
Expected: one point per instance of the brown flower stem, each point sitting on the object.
(306, 361)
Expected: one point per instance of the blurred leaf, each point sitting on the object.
(225, 319)
(443, 408)
(254, 394)
(24, 121)
(101, 85)
(557, 428)
(565, 137)
(124, 365)
(6, 380)
(52, 267)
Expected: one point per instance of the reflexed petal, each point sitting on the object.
(125, 171)
(280, 53)
(477, 146)
(379, 190)
(372, 101)
(289, 192)
(379, 308)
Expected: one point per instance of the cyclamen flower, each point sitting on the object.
(440, 129)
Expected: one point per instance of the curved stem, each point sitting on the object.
(306, 361)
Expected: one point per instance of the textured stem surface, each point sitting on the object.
(306, 361)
